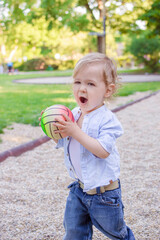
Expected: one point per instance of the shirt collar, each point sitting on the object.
(103, 107)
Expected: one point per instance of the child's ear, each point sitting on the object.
(110, 90)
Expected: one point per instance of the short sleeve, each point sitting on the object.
(108, 133)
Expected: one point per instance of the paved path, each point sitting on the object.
(67, 80)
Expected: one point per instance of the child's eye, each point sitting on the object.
(91, 84)
(77, 82)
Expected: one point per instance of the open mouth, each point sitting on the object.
(83, 99)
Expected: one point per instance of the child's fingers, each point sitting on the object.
(57, 131)
(60, 120)
(58, 124)
(39, 121)
(66, 117)
(42, 112)
(40, 117)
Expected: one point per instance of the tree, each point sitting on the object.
(146, 50)
(152, 17)
(146, 45)
(36, 41)
(78, 15)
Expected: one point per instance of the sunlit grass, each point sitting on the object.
(23, 103)
(130, 88)
(54, 91)
(68, 100)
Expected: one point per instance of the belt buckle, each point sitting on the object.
(100, 190)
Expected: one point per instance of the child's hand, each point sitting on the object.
(40, 118)
(66, 127)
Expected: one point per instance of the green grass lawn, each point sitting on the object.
(130, 88)
(22, 103)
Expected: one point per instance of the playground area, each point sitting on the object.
(34, 185)
(41, 43)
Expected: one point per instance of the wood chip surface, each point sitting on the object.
(33, 186)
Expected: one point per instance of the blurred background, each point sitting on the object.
(54, 34)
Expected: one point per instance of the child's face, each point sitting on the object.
(89, 88)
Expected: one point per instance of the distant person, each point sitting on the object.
(10, 67)
(91, 155)
(1, 69)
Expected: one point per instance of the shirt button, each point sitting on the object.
(67, 154)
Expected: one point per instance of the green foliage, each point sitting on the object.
(34, 64)
(68, 64)
(152, 16)
(45, 50)
(16, 11)
(44, 28)
(78, 15)
(46, 64)
(80, 23)
(146, 50)
(35, 41)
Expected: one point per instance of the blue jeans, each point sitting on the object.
(104, 211)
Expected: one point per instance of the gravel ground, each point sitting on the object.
(33, 186)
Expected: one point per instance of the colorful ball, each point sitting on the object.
(48, 118)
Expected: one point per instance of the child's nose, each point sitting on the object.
(82, 88)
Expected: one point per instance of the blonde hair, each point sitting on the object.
(108, 67)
